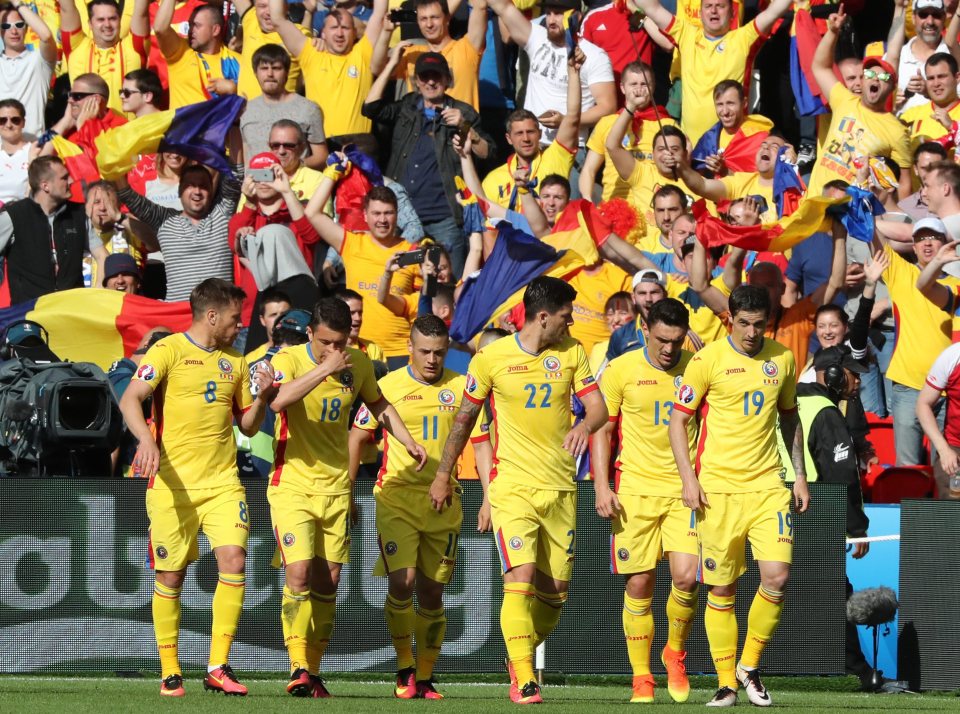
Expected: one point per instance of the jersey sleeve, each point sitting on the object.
(156, 364)
(943, 367)
(693, 388)
(479, 379)
(598, 137)
(365, 419)
(242, 398)
(611, 386)
(283, 368)
(787, 401)
(481, 430)
(368, 390)
(583, 381)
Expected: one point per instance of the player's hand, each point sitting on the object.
(354, 512)
(801, 495)
(577, 440)
(333, 362)
(393, 264)
(418, 453)
(264, 377)
(694, 497)
(860, 550)
(484, 522)
(463, 148)
(441, 492)
(147, 459)
(607, 503)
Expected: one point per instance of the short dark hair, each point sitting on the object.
(381, 194)
(347, 294)
(270, 53)
(333, 313)
(192, 169)
(749, 298)
(620, 300)
(670, 130)
(547, 293)
(638, 67)
(95, 82)
(670, 312)
(521, 115)
(835, 184)
(830, 307)
(214, 293)
(927, 147)
(445, 294)
(93, 3)
(417, 4)
(216, 16)
(429, 326)
(272, 295)
(40, 171)
(556, 180)
(725, 85)
(147, 82)
(941, 57)
(290, 124)
(10, 103)
(670, 189)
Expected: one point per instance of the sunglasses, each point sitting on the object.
(924, 14)
(127, 93)
(80, 96)
(277, 145)
(7, 25)
(874, 74)
(15, 121)
(930, 236)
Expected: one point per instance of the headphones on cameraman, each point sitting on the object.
(835, 378)
(6, 349)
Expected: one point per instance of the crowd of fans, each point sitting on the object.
(370, 126)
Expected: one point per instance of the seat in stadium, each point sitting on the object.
(894, 484)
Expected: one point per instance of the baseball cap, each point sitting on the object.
(264, 160)
(648, 275)
(294, 320)
(935, 5)
(432, 62)
(24, 333)
(837, 356)
(882, 64)
(930, 223)
(118, 264)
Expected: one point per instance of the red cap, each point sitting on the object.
(883, 64)
(264, 160)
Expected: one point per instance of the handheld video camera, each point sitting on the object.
(417, 257)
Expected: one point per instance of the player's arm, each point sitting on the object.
(251, 419)
(606, 501)
(331, 232)
(291, 36)
(568, 133)
(660, 16)
(385, 413)
(693, 495)
(394, 303)
(837, 279)
(622, 159)
(625, 256)
(440, 492)
(792, 432)
(477, 24)
(934, 291)
(517, 25)
(171, 44)
(48, 43)
(140, 19)
(766, 19)
(577, 440)
(822, 64)
(147, 459)
(296, 389)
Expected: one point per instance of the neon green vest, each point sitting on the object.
(808, 407)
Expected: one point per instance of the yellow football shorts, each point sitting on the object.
(533, 525)
(176, 517)
(411, 534)
(648, 527)
(308, 526)
(730, 520)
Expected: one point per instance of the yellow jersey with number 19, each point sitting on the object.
(196, 394)
(530, 397)
(310, 438)
(640, 398)
(427, 410)
(740, 397)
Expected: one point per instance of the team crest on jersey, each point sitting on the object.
(686, 394)
(146, 372)
(353, 72)
(447, 397)
(289, 539)
(551, 364)
(346, 378)
(390, 548)
(677, 381)
(770, 368)
(363, 416)
(161, 552)
(623, 554)
(224, 365)
(710, 564)
(516, 543)
(471, 384)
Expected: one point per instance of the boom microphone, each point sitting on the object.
(873, 606)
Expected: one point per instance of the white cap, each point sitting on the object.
(929, 5)
(648, 275)
(930, 223)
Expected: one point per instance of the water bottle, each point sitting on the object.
(955, 486)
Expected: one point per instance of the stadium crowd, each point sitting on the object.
(399, 172)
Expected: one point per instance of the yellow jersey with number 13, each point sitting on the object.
(530, 396)
(197, 392)
(739, 397)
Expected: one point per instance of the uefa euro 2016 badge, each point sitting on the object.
(146, 372)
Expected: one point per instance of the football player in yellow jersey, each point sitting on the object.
(649, 517)
(310, 491)
(741, 385)
(530, 379)
(418, 546)
(198, 383)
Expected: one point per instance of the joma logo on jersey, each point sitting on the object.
(736, 370)
(646, 382)
(517, 368)
(193, 361)
(412, 398)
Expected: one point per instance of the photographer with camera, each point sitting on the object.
(421, 155)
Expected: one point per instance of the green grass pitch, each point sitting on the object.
(139, 695)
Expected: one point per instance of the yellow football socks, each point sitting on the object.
(638, 631)
(431, 627)
(400, 618)
(681, 608)
(720, 621)
(166, 625)
(516, 623)
(295, 618)
(761, 624)
(227, 606)
(546, 611)
(323, 608)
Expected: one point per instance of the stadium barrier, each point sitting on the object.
(75, 596)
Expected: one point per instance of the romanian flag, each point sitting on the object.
(809, 218)
(788, 188)
(804, 38)
(741, 153)
(80, 163)
(581, 228)
(96, 325)
(198, 131)
(516, 259)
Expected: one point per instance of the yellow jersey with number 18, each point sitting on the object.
(740, 397)
(640, 398)
(196, 394)
(530, 397)
(310, 438)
